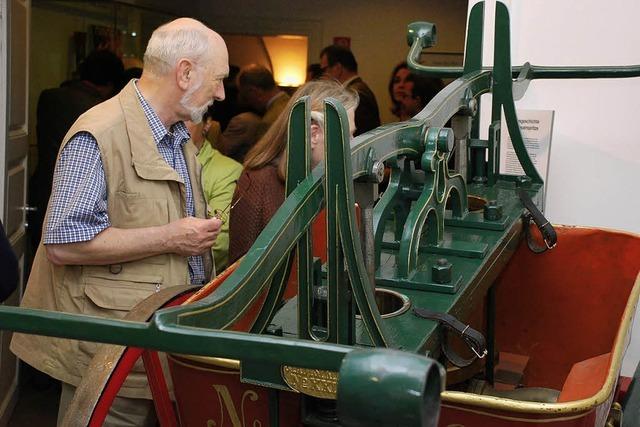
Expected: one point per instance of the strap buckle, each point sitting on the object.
(534, 215)
(549, 242)
(480, 356)
(472, 347)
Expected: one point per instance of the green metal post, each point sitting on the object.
(502, 91)
(298, 164)
(340, 183)
(341, 317)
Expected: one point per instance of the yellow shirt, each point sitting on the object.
(219, 176)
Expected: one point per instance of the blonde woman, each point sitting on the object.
(260, 189)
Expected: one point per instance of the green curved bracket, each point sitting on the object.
(298, 166)
(449, 101)
(503, 94)
(430, 206)
(393, 203)
(343, 237)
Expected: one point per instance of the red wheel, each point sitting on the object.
(112, 363)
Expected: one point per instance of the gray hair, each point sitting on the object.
(166, 46)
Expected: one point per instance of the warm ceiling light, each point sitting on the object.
(288, 54)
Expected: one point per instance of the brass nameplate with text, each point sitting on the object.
(312, 382)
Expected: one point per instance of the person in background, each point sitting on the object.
(9, 273)
(132, 68)
(314, 72)
(339, 63)
(101, 76)
(127, 215)
(398, 89)
(132, 73)
(258, 90)
(260, 190)
(421, 91)
(219, 176)
(238, 137)
(224, 111)
(410, 92)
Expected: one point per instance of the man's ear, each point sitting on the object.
(184, 73)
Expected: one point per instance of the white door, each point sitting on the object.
(14, 147)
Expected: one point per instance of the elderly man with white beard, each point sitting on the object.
(127, 216)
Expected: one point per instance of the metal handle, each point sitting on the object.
(27, 208)
(421, 35)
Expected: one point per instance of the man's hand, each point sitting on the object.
(192, 236)
(186, 236)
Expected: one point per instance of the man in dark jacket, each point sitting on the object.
(8, 267)
(101, 76)
(338, 62)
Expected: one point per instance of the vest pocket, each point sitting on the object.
(113, 297)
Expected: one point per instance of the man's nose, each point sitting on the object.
(219, 93)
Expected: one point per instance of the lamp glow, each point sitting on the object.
(288, 58)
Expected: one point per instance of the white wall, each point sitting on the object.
(595, 152)
(377, 28)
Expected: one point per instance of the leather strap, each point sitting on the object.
(546, 229)
(474, 339)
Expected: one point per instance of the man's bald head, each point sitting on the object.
(183, 38)
(184, 66)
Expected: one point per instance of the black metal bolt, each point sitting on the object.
(523, 181)
(441, 271)
(492, 211)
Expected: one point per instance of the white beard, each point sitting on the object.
(195, 112)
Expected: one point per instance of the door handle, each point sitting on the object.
(26, 209)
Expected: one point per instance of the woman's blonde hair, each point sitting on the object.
(271, 147)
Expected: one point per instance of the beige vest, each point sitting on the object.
(142, 191)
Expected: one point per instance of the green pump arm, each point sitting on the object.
(422, 35)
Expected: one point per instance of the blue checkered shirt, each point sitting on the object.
(78, 205)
